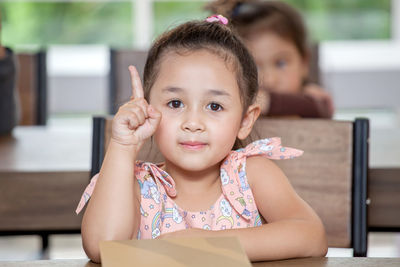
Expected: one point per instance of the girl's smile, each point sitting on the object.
(193, 145)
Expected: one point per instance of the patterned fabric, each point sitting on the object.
(235, 208)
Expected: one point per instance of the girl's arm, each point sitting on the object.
(113, 211)
(293, 229)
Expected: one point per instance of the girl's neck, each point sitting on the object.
(193, 182)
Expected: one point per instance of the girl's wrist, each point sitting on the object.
(130, 150)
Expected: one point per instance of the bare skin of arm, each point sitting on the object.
(293, 228)
(113, 211)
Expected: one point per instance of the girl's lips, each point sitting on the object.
(193, 145)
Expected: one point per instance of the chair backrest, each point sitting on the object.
(32, 88)
(120, 82)
(331, 175)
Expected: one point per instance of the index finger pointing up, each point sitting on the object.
(137, 89)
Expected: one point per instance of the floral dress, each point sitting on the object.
(235, 208)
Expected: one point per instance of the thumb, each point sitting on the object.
(154, 115)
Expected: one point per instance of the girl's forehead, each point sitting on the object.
(200, 69)
(216, 54)
(196, 63)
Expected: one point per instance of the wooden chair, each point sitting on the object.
(331, 175)
(32, 87)
(120, 83)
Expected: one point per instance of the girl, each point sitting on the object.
(275, 34)
(198, 102)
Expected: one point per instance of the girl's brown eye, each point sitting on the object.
(175, 104)
(214, 107)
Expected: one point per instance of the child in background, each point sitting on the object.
(198, 102)
(275, 34)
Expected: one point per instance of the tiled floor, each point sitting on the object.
(69, 247)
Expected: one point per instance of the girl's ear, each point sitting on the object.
(248, 121)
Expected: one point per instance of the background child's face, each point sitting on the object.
(198, 96)
(280, 65)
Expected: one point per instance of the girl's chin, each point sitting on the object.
(191, 165)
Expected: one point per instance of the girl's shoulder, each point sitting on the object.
(270, 148)
(257, 158)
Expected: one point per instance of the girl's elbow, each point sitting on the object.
(320, 247)
(92, 250)
(90, 245)
(323, 251)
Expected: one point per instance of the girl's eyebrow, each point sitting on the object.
(218, 92)
(172, 89)
(214, 92)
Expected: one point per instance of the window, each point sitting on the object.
(45, 23)
(113, 22)
(346, 19)
(172, 13)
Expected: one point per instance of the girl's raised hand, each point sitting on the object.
(136, 120)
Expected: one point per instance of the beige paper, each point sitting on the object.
(211, 251)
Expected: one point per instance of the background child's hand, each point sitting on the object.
(319, 94)
(136, 120)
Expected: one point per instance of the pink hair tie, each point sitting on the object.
(219, 18)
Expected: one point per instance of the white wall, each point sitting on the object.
(78, 79)
(362, 74)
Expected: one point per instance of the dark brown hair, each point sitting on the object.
(252, 16)
(214, 37)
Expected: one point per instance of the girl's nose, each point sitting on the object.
(193, 122)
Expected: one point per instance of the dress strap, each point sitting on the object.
(271, 148)
(141, 171)
(233, 171)
(87, 194)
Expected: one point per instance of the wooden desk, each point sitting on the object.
(43, 172)
(310, 262)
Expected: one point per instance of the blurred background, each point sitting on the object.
(359, 61)
(359, 45)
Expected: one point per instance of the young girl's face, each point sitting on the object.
(198, 96)
(281, 68)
